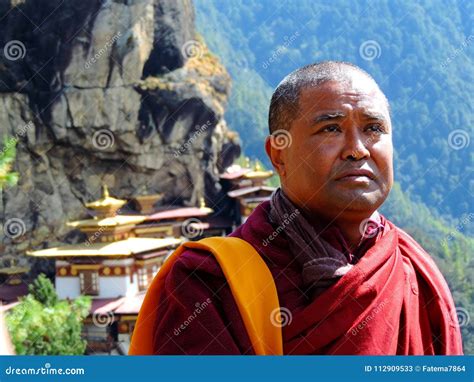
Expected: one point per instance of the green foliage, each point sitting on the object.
(50, 328)
(42, 290)
(7, 156)
(421, 63)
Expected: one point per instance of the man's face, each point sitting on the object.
(340, 128)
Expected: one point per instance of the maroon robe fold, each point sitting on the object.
(393, 301)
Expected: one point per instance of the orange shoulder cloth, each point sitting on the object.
(251, 284)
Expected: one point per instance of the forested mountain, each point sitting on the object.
(420, 54)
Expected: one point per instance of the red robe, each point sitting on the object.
(393, 301)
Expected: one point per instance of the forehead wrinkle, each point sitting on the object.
(370, 104)
(373, 115)
(342, 100)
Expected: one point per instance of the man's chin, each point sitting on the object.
(358, 200)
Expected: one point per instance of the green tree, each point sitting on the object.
(43, 325)
(7, 156)
(43, 291)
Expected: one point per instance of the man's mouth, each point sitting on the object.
(356, 175)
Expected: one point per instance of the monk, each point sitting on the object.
(348, 280)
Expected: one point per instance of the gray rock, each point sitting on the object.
(121, 92)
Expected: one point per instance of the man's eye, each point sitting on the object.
(331, 128)
(376, 128)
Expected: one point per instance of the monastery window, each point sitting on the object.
(142, 279)
(89, 281)
(150, 273)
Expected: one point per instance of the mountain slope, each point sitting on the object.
(419, 54)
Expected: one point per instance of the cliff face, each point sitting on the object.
(121, 92)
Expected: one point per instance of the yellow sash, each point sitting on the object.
(251, 284)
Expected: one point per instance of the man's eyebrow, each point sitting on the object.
(328, 117)
(374, 115)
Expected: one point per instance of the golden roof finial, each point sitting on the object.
(105, 191)
(247, 162)
(258, 173)
(203, 207)
(107, 205)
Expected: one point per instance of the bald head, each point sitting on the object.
(284, 104)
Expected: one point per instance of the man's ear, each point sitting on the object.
(276, 156)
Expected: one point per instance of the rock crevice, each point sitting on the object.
(116, 92)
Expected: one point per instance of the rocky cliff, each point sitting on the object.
(115, 91)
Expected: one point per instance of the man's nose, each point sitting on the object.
(355, 147)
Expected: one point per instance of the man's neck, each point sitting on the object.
(351, 233)
(351, 229)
